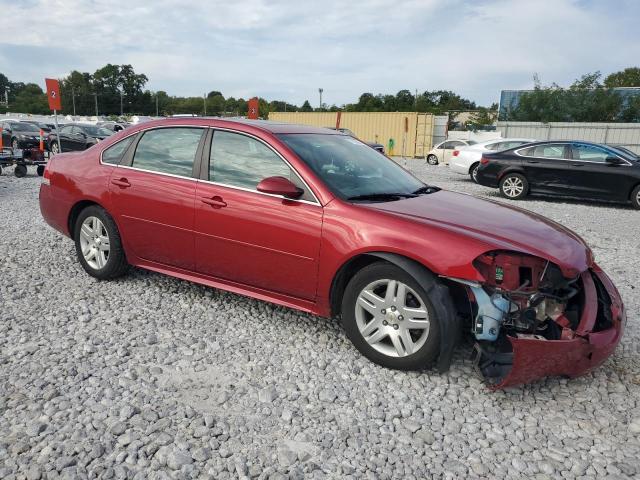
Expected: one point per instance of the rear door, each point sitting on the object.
(153, 192)
(245, 236)
(548, 168)
(66, 138)
(595, 177)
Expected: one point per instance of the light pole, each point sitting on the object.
(320, 90)
(121, 95)
(95, 96)
(6, 97)
(157, 105)
(204, 101)
(73, 100)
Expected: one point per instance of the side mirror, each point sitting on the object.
(279, 186)
(614, 160)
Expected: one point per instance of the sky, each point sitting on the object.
(287, 49)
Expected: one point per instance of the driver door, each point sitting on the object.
(249, 237)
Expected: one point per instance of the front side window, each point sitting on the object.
(68, 129)
(349, 167)
(590, 153)
(114, 153)
(241, 161)
(168, 150)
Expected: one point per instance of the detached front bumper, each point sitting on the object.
(577, 351)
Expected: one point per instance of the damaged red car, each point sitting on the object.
(318, 221)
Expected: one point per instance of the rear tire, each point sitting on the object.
(635, 197)
(20, 171)
(473, 172)
(514, 186)
(432, 160)
(98, 244)
(53, 148)
(396, 328)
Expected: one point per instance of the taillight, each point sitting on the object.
(46, 176)
(456, 152)
(484, 160)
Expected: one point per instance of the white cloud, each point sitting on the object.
(287, 49)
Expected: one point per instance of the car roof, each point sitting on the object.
(264, 125)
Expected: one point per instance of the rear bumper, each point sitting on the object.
(53, 211)
(577, 352)
(487, 179)
(459, 166)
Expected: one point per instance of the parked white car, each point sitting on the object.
(441, 153)
(465, 160)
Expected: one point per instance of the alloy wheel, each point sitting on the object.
(392, 318)
(94, 242)
(474, 173)
(54, 148)
(14, 145)
(513, 187)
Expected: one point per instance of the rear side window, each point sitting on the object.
(168, 150)
(556, 151)
(114, 153)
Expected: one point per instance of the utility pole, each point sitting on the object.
(320, 90)
(95, 96)
(6, 97)
(73, 100)
(157, 105)
(204, 100)
(121, 95)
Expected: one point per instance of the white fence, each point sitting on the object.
(623, 134)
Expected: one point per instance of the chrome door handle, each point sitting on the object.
(215, 202)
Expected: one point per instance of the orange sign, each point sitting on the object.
(252, 113)
(53, 93)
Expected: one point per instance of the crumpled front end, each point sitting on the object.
(530, 322)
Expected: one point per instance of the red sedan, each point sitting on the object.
(318, 221)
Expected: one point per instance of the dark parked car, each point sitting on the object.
(566, 168)
(45, 127)
(19, 134)
(113, 126)
(314, 220)
(378, 147)
(77, 136)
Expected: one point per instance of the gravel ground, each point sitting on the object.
(153, 377)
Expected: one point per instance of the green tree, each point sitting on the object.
(31, 99)
(629, 77)
(306, 107)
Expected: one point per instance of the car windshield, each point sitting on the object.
(350, 168)
(24, 127)
(96, 131)
(625, 152)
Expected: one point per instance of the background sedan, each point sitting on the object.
(576, 169)
(75, 136)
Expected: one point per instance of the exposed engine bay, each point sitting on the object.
(526, 300)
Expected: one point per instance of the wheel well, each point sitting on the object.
(344, 275)
(75, 212)
(473, 165)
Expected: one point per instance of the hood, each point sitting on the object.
(500, 226)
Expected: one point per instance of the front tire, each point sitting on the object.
(389, 317)
(53, 148)
(432, 160)
(635, 197)
(473, 172)
(98, 244)
(514, 186)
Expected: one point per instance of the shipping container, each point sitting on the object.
(386, 128)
